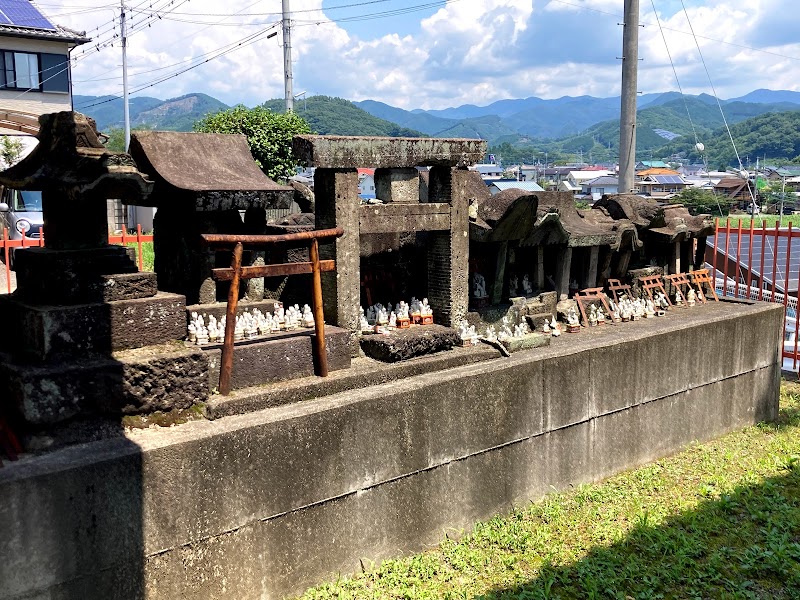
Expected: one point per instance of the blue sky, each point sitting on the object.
(429, 54)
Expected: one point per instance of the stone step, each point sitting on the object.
(135, 381)
(47, 333)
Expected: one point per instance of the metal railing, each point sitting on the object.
(755, 263)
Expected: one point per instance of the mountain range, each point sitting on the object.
(569, 124)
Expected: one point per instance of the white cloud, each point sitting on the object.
(468, 51)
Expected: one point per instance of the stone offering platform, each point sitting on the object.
(264, 504)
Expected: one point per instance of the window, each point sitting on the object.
(20, 71)
(42, 72)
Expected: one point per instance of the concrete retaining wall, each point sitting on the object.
(264, 504)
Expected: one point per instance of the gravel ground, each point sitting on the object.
(4, 288)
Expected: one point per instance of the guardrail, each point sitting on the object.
(755, 263)
(124, 238)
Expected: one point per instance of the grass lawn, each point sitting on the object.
(718, 520)
(770, 220)
(148, 255)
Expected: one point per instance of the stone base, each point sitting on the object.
(46, 276)
(408, 343)
(532, 340)
(43, 333)
(281, 356)
(129, 382)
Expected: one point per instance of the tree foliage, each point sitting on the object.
(703, 202)
(10, 150)
(269, 135)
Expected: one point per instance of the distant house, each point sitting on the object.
(366, 183)
(595, 188)
(659, 186)
(575, 179)
(36, 76)
(488, 171)
(735, 188)
(500, 186)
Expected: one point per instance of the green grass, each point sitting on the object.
(770, 220)
(148, 255)
(718, 520)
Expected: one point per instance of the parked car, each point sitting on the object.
(21, 215)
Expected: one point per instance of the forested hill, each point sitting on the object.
(337, 116)
(775, 136)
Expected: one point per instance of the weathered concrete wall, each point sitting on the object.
(264, 504)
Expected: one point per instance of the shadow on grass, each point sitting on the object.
(742, 545)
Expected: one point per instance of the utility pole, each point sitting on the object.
(126, 110)
(287, 57)
(627, 121)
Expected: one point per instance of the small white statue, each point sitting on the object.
(491, 334)
(392, 320)
(678, 298)
(555, 328)
(649, 309)
(546, 327)
(572, 317)
(691, 297)
(526, 285)
(601, 317)
(592, 315)
(513, 286)
(479, 286)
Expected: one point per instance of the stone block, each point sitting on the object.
(130, 381)
(351, 152)
(402, 344)
(279, 357)
(47, 276)
(532, 340)
(48, 332)
(397, 185)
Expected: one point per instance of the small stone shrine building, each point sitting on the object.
(545, 236)
(202, 183)
(373, 228)
(674, 240)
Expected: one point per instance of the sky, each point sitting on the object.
(430, 54)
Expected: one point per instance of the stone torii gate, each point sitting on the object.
(444, 215)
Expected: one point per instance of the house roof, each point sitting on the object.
(528, 186)
(587, 175)
(22, 18)
(656, 171)
(665, 179)
(654, 164)
(603, 180)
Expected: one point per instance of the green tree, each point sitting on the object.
(10, 150)
(703, 202)
(269, 135)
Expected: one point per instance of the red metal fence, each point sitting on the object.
(759, 263)
(124, 238)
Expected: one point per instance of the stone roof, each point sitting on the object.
(536, 218)
(200, 162)
(672, 221)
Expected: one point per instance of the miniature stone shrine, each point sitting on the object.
(203, 182)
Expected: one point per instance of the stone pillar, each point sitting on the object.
(590, 279)
(397, 185)
(500, 273)
(540, 268)
(448, 252)
(562, 271)
(700, 253)
(623, 264)
(74, 220)
(674, 265)
(337, 205)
